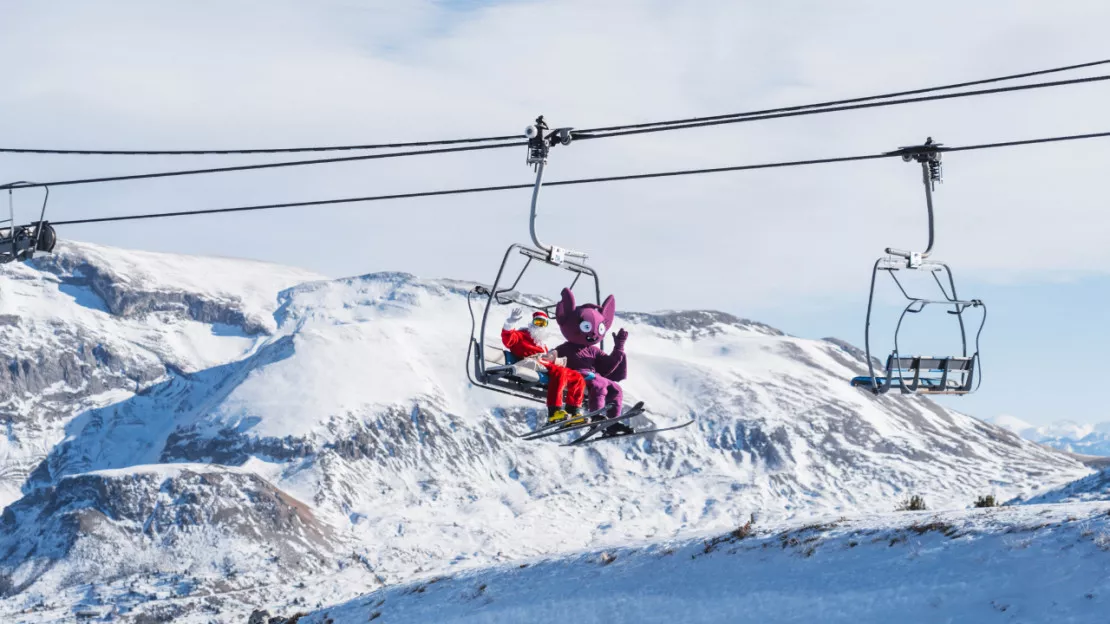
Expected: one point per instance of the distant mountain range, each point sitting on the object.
(1066, 435)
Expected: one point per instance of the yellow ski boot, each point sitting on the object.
(556, 415)
(575, 416)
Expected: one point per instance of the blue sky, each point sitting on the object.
(1025, 229)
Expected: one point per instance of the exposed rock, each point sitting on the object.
(151, 520)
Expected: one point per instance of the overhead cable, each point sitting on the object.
(595, 180)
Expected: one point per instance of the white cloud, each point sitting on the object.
(132, 74)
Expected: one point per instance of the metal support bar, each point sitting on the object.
(11, 212)
(555, 254)
(929, 158)
(538, 147)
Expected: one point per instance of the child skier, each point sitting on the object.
(529, 345)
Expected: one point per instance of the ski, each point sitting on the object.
(589, 438)
(631, 412)
(547, 427)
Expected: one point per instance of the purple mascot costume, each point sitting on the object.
(584, 328)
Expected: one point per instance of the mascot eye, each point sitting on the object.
(601, 328)
(585, 326)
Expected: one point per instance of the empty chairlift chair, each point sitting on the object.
(20, 242)
(924, 374)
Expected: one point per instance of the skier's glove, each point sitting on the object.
(514, 317)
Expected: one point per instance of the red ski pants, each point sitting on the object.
(561, 378)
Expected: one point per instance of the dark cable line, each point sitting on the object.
(882, 96)
(445, 150)
(291, 163)
(321, 202)
(640, 176)
(768, 111)
(272, 150)
(580, 135)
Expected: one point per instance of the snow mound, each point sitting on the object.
(964, 566)
(1095, 487)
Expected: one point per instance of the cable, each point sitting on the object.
(834, 109)
(640, 176)
(332, 148)
(322, 202)
(883, 96)
(446, 150)
(273, 150)
(292, 163)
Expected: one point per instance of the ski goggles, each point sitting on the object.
(539, 321)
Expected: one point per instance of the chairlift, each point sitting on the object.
(491, 366)
(924, 374)
(20, 242)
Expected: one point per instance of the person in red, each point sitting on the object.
(529, 345)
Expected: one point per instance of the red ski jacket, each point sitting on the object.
(519, 342)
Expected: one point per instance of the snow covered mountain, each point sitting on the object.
(190, 438)
(1066, 435)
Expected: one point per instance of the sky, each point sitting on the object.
(1024, 229)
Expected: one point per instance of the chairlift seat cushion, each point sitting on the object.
(924, 386)
(521, 373)
(864, 380)
(512, 359)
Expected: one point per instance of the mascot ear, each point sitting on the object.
(609, 310)
(565, 307)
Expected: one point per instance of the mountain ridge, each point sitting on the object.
(351, 398)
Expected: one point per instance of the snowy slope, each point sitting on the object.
(348, 398)
(1094, 487)
(1013, 564)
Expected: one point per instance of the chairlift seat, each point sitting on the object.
(503, 366)
(923, 374)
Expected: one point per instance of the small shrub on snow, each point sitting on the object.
(913, 503)
(735, 535)
(987, 501)
(742, 531)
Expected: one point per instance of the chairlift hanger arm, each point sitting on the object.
(928, 155)
(539, 145)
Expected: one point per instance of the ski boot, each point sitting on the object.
(605, 415)
(575, 416)
(556, 414)
(617, 429)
